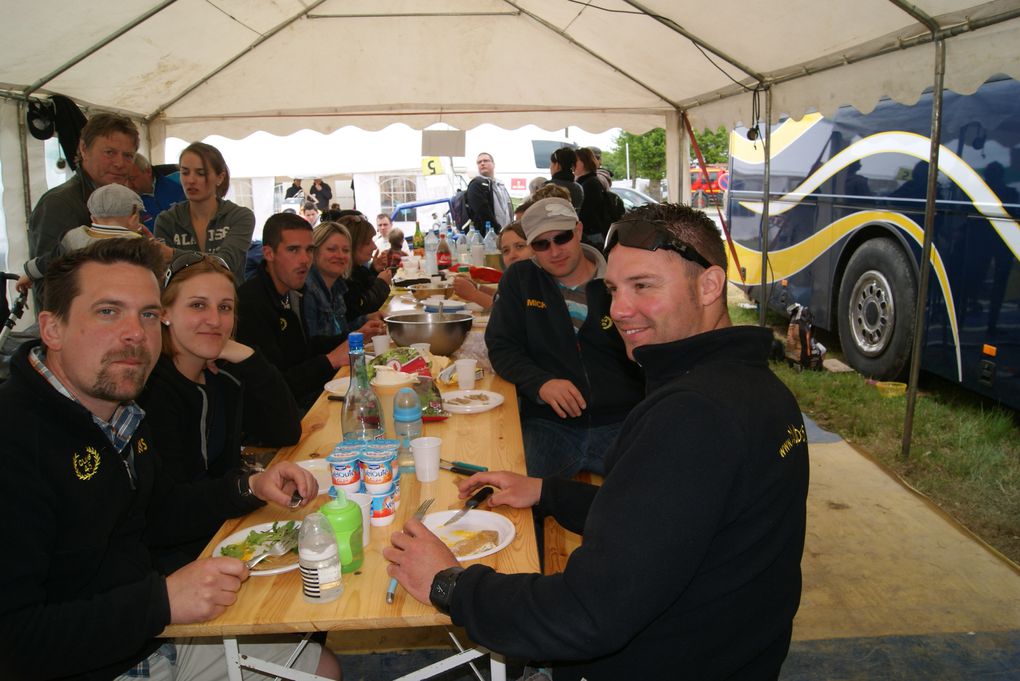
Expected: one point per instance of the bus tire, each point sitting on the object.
(877, 300)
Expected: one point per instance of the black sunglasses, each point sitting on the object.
(186, 260)
(560, 239)
(651, 235)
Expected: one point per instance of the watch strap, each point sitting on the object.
(441, 594)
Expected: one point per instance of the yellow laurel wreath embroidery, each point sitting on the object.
(283, 324)
(86, 465)
(143, 446)
(607, 322)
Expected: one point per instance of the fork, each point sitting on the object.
(423, 508)
(277, 549)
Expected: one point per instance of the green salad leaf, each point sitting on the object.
(258, 542)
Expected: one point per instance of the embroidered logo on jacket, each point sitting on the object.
(283, 324)
(607, 322)
(532, 302)
(142, 447)
(86, 465)
(794, 436)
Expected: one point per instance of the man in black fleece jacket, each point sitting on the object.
(269, 311)
(690, 562)
(83, 487)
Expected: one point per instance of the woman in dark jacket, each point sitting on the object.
(369, 283)
(209, 394)
(561, 165)
(593, 214)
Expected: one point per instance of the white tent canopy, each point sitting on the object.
(193, 68)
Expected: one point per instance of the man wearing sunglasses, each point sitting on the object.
(550, 335)
(690, 561)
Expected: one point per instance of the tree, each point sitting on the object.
(648, 153)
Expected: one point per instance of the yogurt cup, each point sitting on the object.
(345, 472)
(377, 469)
(383, 509)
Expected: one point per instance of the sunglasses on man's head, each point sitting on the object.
(560, 239)
(186, 260)
(651, 235)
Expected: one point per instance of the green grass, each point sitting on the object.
(964, 454)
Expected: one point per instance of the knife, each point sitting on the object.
(479, 496)
(448, 465)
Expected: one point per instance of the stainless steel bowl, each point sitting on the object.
(444, 332)
(423, 291)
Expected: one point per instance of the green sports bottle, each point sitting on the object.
(344, 517)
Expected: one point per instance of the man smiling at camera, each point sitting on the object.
(551, 336)
(690, 561)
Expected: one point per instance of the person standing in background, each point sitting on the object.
(321, 194)
(561, 165)
(487, 198)
(207, 222)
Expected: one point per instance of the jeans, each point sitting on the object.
(555, 449)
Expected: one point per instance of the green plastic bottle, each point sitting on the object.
(344, 517)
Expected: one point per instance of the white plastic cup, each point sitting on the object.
(466, 373)
(425, 451)
(365, 502)
(380, 344)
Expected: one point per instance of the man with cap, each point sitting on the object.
(690, 565)
(105, 155)
(115, 211)
(550, 334)
(158, 192)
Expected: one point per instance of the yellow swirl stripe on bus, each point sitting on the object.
(985, 200)
(786, 262)
(786, 134)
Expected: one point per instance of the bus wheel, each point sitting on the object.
(877, 298)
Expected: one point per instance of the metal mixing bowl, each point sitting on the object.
(423, 291)
(444, 332)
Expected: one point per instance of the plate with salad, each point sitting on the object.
(252, 541)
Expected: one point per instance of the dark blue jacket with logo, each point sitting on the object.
(531, 340)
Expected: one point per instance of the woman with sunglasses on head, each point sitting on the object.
(323, 306)
(208, 394)
(561, 165)
(513, 247)
(207, 222)
(593, 214)
(369, 282)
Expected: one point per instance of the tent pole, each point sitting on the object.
(929, 233)
(763, 298)
(23, 145)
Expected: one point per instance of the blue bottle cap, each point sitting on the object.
(406, 406)
(356, 341)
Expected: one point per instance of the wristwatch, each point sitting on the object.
(442, 588)
(244, 485)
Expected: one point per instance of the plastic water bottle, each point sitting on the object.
(319, 560)
(463, 249)
(431, 253)
(488, 229)
(362, 416)
(407, 424)
(344, 517)
(473, 237)
(491, 248)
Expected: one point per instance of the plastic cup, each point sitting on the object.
(466, 373)
(425, 451)
(380, 344)
(365, 502)
(424, 348)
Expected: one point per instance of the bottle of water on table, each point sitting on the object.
(319, 560)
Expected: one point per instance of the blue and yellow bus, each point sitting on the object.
(846, 223)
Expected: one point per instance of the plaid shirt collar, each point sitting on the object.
(121, 426)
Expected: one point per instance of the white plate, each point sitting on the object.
(262, 527)
(320, 469)
(474, 307)
(474, 521)
(338, 386)
(495, 399)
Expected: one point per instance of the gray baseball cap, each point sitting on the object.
(114, 201)
(548, 215)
